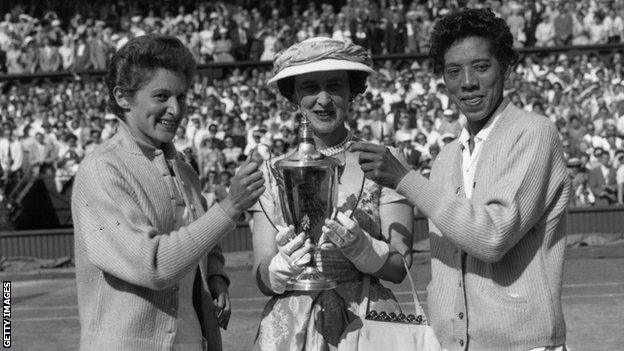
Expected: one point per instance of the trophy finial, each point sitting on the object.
(307, 146)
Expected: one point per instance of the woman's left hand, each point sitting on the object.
(343, 231)
(365, 252)
(221, 298)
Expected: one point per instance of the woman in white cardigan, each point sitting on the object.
(148, 265)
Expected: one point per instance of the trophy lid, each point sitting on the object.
(306, 154)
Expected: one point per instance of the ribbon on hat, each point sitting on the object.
(315, 50)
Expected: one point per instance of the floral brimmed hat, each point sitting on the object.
(320, 54)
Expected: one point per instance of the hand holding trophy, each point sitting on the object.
(307, 182)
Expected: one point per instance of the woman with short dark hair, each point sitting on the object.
(149, 269)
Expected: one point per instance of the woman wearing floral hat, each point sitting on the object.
(322, 76)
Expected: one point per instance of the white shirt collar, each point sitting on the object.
(482, 135)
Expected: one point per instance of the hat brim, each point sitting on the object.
(320, 66)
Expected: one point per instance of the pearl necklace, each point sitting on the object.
(338, 148)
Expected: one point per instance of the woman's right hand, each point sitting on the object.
(292, 256)
(245, 188)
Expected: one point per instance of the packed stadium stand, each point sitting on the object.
(49, 122)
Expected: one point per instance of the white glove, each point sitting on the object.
(365, 252)
(293, 254)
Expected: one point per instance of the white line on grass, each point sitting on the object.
(398, 293)
(258, 310)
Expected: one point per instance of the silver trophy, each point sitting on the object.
(307, 184)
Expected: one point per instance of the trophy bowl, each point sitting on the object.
(307, 184)
(307, 198)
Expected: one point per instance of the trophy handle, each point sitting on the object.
(357, 201)
(359, 197)
(271, 170)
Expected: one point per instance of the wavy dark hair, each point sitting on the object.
(468, 23)
(136, 62)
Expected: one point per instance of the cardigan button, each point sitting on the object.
(460, 315)
(461, 342)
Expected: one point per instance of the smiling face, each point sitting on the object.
(324, 98)
(474, 77)
(155, 110)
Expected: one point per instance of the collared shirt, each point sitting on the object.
(469, 160)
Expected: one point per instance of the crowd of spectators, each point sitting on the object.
(217, 31)
(48, 128)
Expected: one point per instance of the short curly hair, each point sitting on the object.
(134, 64)
(468, 23)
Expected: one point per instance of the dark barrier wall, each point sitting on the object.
(56, 243)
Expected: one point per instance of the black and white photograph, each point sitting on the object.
(323, 175)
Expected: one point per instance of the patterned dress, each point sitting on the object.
(315, 320)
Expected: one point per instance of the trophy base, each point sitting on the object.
(309, 280)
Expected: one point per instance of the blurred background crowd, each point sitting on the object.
(78, 35)
(49, 126)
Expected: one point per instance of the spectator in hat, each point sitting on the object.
(449, 124)
(545, 32)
